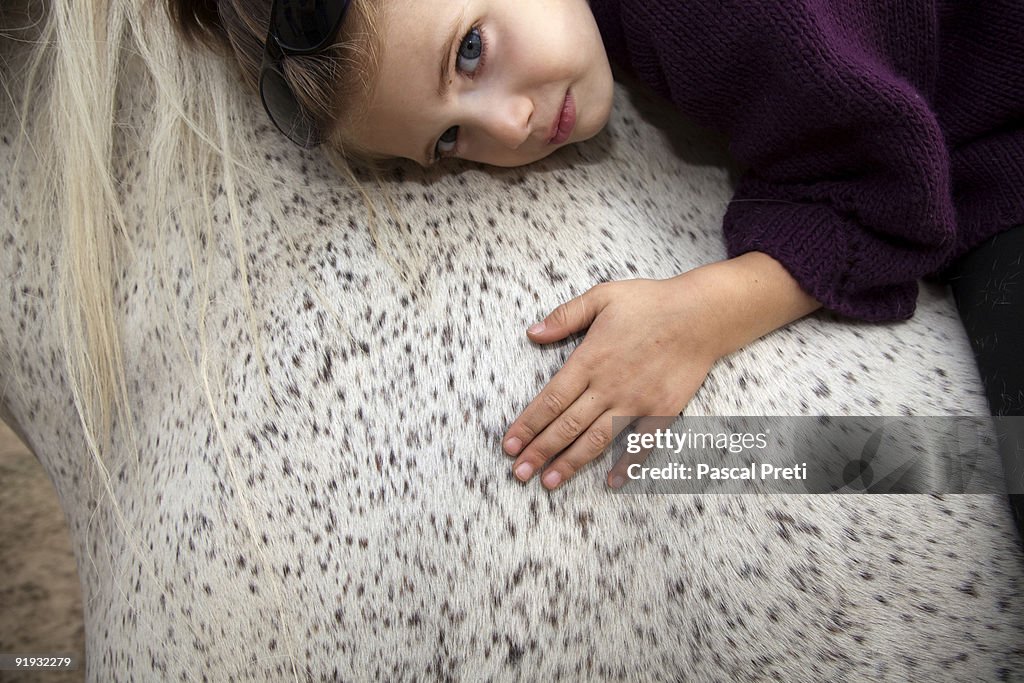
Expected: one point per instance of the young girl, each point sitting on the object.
(883, 143)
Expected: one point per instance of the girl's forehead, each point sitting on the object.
(417, 40)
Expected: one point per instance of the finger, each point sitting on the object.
(635, 452)
(558, 435)
(554, 399)
(572, 316)
(588, 446)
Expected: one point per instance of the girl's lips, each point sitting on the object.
(565, 122)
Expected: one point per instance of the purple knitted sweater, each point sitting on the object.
(882, 139)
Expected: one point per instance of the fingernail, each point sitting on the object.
(536, 328)
(552, 479)
(524, 471)
(617, 481)
(513, 445)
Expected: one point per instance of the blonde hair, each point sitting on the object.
(334, 85)
(66, 93)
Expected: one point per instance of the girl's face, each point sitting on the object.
(485, 80)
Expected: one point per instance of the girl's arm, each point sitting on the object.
(764, 294)
(649, 347)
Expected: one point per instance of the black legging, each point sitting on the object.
(988, 285)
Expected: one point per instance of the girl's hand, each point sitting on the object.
(648, 350)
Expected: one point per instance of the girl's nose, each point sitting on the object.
(509, 122)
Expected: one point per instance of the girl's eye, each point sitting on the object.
(469, 58)
(471, 49)
(446, 143)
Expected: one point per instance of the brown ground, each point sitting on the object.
(40, 597)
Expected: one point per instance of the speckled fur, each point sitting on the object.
(368, 523)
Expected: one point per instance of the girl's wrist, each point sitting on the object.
(748, 296)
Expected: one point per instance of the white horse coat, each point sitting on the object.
(364, 523)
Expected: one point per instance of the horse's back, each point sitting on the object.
(314, 476)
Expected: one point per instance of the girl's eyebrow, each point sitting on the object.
(428, 155)
(446, 55)
(445, 73)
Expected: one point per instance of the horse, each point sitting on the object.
(310, 484)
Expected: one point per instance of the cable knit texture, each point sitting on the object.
(882, 140)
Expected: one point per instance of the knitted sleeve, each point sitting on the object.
(847, 181)
(849, 184)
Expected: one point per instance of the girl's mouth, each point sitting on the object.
(565, 122)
